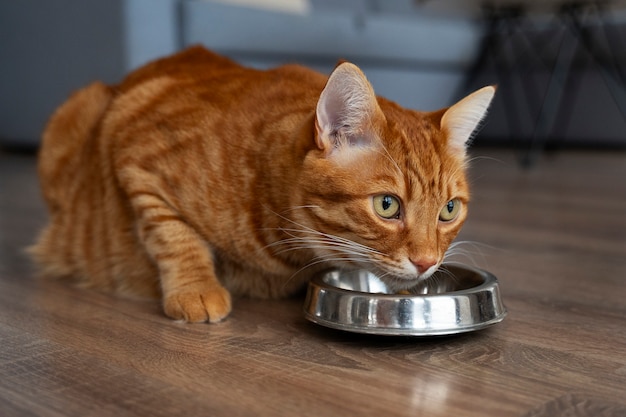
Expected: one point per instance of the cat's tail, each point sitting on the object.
(66, 144)
(63, 143)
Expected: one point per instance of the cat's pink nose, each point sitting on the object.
(423, 264)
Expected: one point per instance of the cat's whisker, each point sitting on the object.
(459, 250)
(384, 275)
(295, 243)
(335, 238)
(445, 271)
(486, 158)
(307, 206)
(449, 263)
(306, 229)
(338, 254)
(325, 241)
(305, 245)
(393, 161)
(326, 259)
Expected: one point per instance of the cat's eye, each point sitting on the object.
(450, 210)
(387, 206)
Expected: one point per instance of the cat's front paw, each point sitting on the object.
(211, 304)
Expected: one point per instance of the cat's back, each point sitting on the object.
(201, 69)
(195, 62)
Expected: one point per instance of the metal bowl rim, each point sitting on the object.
(489, 280)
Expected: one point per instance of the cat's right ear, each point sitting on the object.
(345, 110)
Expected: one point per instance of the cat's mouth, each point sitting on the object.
(398, 281)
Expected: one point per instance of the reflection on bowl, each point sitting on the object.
(454, 300)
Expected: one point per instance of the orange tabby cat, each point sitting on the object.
(197, 178)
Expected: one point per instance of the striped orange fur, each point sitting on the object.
(197, 178)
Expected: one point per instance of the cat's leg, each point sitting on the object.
(191, 290)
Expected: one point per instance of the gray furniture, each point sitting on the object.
(49, 49)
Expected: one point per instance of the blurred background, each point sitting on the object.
(559, 65)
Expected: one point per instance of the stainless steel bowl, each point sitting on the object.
(454, 300)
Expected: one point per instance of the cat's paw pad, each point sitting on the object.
(195, 306)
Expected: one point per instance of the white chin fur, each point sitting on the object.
(407, 277)
(410, 272)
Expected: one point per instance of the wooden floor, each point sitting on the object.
(555, 236)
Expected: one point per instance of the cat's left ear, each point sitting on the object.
(460, 121)
(345, 110)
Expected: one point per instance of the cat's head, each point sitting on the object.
(385, 187)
